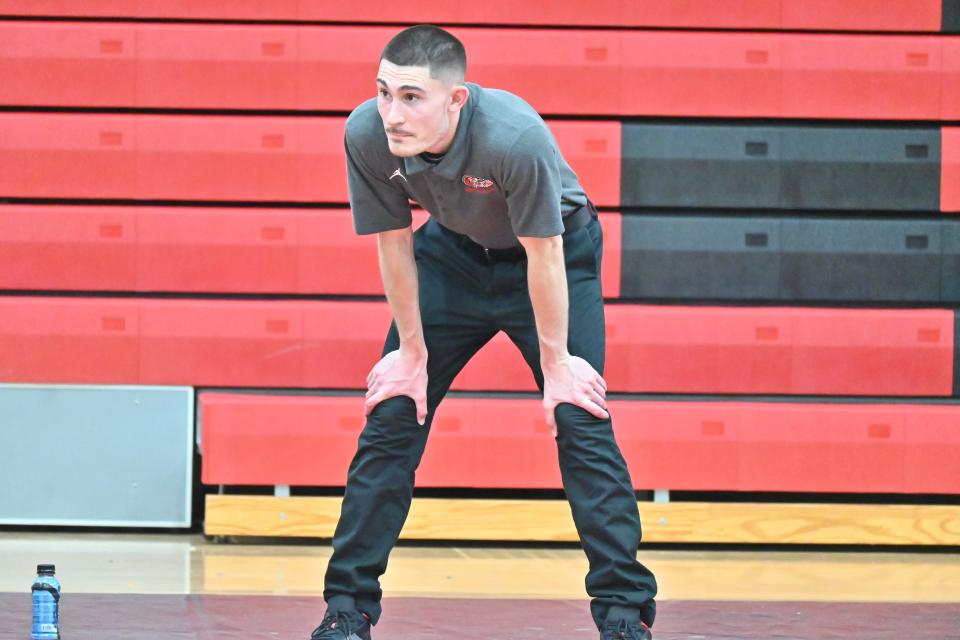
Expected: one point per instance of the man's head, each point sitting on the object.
(420, 89)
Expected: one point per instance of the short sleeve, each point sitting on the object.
(532, 185)
(377, 204)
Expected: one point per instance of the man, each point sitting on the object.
(512, 244)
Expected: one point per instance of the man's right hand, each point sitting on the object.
(399, 374)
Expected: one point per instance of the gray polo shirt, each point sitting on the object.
(502, 177)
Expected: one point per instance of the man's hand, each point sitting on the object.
(399, 374)
(574, 381)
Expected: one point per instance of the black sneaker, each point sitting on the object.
(345, 624)
(624, 630)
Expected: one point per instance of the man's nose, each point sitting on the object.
(394, 113)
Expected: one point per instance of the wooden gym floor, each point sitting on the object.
(137, 586)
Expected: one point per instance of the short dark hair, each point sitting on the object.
(425, 45)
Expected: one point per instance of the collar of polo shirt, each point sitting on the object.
(451, 166)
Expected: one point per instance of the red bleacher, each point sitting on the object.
(686, 65)
(228, 158)
(504, 443)
(69, 340)
(205, 250)
(333, 344)
(950, 98)
(670, 73)
(74, 249)
(869, 15)
(840, 76)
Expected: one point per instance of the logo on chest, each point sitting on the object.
(478, 185)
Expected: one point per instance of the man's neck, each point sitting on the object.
(444, 145)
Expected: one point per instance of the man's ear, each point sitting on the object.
(458, 97)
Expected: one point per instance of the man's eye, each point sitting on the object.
(410, 97)
(383, 93)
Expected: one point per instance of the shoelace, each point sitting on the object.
(339, 621)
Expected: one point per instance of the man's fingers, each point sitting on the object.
(599, 390)
(421, 403)
(595, 409)
(597, 399)
(551, 421)
(373, 401)
(602, 382)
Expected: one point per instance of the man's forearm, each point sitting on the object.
(398, 270)
(547, 283)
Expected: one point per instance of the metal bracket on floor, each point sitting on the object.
(661, 495)
(281, 490)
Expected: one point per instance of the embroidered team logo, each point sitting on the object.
(478, 185)
(397, 173)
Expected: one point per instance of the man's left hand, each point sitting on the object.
(574, 381)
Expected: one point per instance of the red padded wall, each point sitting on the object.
(81, 64)
(865, 15)
(777, 350)
(61, 340)
(593, 151)
(603, 72)
(872, 15)
(217, 250)
(333, 344)
(861, 78)
(222, 343)
(701, 74)
(68, 156)
(950, 77)
(226, 158)
(206, 250)
(501, 443)
(210, 66)
(65, 248)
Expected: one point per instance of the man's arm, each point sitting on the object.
(404, 371)
(566, 378)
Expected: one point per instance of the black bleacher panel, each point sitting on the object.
(700, 166)
(860, 260)
(700, 257)
(950, 232)
(950, 16)
(860, 168)
(828, 168)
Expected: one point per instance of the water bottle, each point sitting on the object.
(46, 604)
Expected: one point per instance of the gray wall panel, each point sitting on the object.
(951, 262)
(950, 16)
(820, 168)
(860, 168)
(700, 257)
(700, 166)
(86, 455)
(860, 260)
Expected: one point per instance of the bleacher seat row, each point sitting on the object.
(289, 159)
(629, 73)
(315, 251)
(684, 445)
(852, 15)
(333, 344)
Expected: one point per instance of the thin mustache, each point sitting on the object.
(398, 131)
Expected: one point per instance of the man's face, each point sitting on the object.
(416, 109)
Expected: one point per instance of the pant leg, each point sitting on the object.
(595, 476)
(380, 479)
